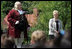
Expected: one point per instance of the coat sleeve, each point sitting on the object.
(10, 19)
(50, 25)
(5, 19)
(26, 21)
(61, 24)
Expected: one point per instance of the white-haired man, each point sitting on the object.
(14, 19)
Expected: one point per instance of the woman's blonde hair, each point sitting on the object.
(15, 5)
(38, 36)
(55, 11)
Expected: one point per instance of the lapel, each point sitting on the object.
(54, 23)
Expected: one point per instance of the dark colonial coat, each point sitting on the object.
(14, 16)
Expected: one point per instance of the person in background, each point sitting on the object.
(38, 39)
(55, 25)
(1, 31)
(7, 42)
(32, 18)
(66, 40)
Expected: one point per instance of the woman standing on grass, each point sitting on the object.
(55, 25)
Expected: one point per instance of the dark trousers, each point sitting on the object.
(25, 35)
(51, 37)
(58, 40)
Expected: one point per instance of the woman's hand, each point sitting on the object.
(57, 34)
(56, 31)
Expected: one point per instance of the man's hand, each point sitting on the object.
(17, 22)
(28, 28)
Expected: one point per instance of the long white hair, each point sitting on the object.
(15, 5)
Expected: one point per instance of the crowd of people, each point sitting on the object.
(38, 40)
(10, 38)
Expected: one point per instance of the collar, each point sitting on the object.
(20, 12)
(54, 19)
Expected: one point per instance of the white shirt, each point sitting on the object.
(21, 12)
